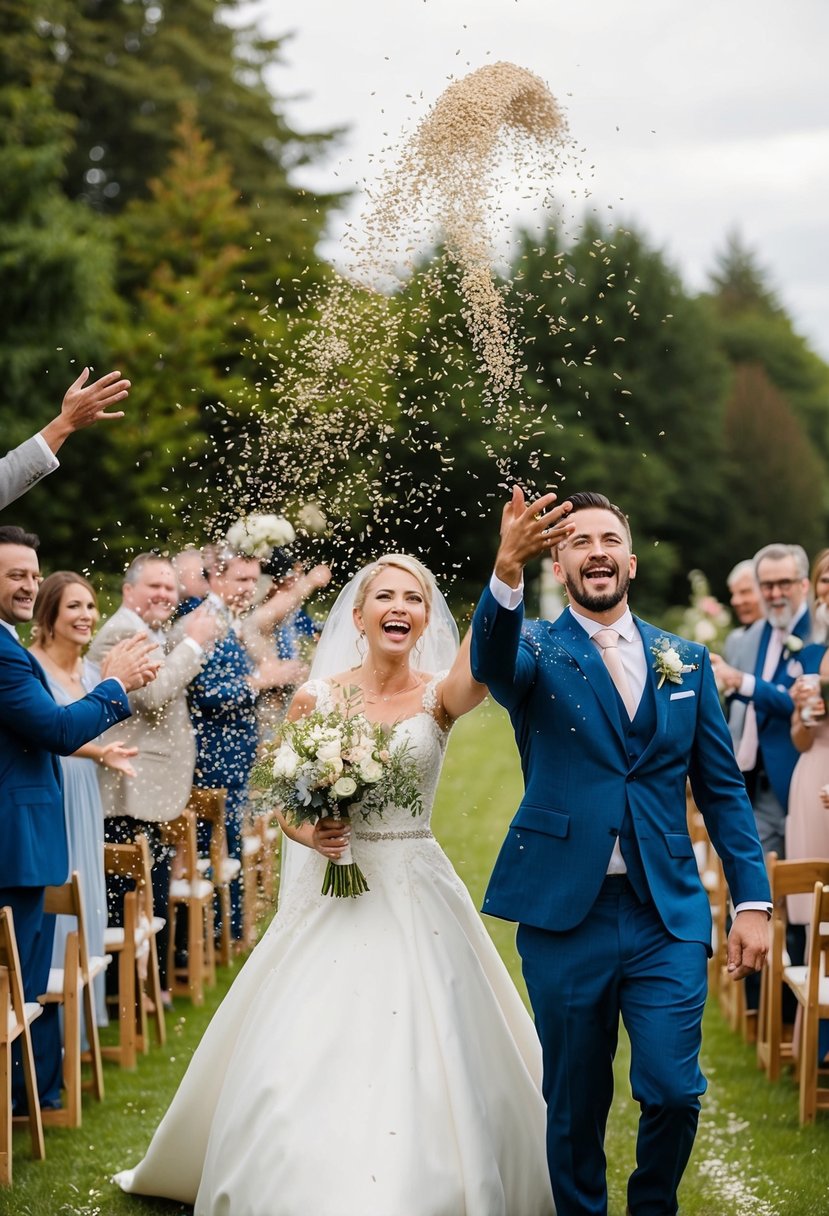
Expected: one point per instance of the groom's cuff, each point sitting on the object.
(504, 595)
(750, 906)
(747, 686)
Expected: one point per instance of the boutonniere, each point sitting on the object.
(668, 663)
(792, 644)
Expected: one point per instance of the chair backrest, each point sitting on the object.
(10, 959)
(209, 804)
(181, 832)
(818, 942)
(795, 877)
(67, 900)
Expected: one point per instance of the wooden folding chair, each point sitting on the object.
(209, 805)
(190, 895)
(810, 985)
(153, 1007)
(774, 1037)
(16, 1017)
(71, 986)
(139, 986)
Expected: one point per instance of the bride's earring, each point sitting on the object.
(362, 645)
(418, 648)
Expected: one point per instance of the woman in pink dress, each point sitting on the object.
(807, 823)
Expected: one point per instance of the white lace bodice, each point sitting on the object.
(426, 741)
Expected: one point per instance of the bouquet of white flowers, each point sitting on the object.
(339, 764)
(259, 535)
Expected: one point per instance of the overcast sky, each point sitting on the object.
(697, 118)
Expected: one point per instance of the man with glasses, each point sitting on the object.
(766, 662)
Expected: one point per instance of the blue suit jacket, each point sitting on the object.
(223, 712)
(34, 731)
(580, 781)
(772, 701)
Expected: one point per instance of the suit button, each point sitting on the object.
(614, 831)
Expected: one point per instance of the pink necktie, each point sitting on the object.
(608, 640)
(749, 744)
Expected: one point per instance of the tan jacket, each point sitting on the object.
(159, 727)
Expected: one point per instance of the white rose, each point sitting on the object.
(286, 763)
(671, 661)
(370, 770)
(329, 750)
(345, 787)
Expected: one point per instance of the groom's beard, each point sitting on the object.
(581, 594)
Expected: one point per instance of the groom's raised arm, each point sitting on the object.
(498, 658)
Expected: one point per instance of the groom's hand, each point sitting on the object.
(748, 943)
(527, 530)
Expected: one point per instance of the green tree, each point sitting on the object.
(55, 258)
(773, 470)
(126, 68)
(181, 251)
(625, 378)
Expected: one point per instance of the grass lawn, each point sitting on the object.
(751, 1157)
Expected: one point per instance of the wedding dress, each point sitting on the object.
(373, 1058)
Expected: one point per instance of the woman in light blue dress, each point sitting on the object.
(66, 612)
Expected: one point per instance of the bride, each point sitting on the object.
(373, 1058)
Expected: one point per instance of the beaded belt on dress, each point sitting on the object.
(417, 834)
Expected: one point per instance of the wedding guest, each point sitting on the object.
(82, 405)
(765, 665)
(766, 662)
(222, 699)
(65, 615)
(159, 729)
(273, 629)
(192, 579)
(744, 594)
(819, 581)
(33, 730)
(807, 824)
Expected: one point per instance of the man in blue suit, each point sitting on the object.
(598, 867)
(34, 731)
(765, 662)
(222, 700)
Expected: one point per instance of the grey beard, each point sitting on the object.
(598, 603)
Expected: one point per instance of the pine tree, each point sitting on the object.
(55, 257)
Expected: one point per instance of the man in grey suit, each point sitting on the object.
(82, 405)
(160, 725)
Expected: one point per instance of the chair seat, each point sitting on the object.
(31, 1010)
(54, 988)
(796, 978)
(98, 963)
(229, 869)
(180, 888)
(114, 937)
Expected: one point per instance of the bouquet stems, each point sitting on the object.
(344, 879)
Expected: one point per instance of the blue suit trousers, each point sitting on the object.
(35, 934)
(619, 960)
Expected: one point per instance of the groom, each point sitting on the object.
(611, 716)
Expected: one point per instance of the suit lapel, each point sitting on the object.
(571, 637)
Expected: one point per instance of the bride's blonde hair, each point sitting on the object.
(399, 561)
